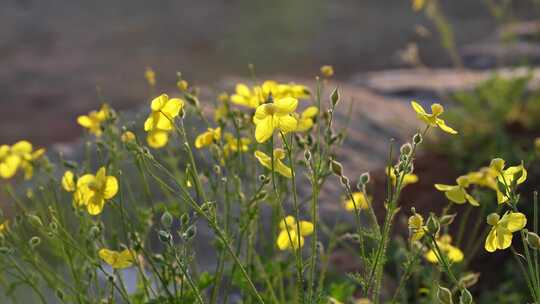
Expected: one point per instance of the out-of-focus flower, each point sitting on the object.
(418, 5)
(127, 136)
(327, 71)
(94, 119)
(514, 175)
(150, 76)
(305, 121)
(279, 166)
(116, 259)
(21, 155)
(359, 200)
(68, 181)
(208, 137)
(409, 178)
(452, 253)
(417, 229)
(160, 122)
(233, 144)
(458, 193)
(290, 236)
(182, 85)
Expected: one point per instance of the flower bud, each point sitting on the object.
(34, 220)
(345, 181)
(364, 178)
(166, 219)
(184, 219)
(469, 279)
(307, 155)
(417, 138)
(465, 297)
(94, 232)
(448, 219)
(190, 233)
(533, 240)
(34, 241)
(337, 168)
(165, 237)
(493, 219)
(406, 149)
(334, 97)
(433, 225)
(444, 295)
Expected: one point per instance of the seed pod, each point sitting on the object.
(334, 97)
(34, 241)
(184, 219)
(406, 149)
(465, 297)
(444, 295)
(34, 220)
(190, 233)
(417, 138)
(337, 168)
(166, 219)
(433, 225)
(364, 178)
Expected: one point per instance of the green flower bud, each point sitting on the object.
(334, 97)
(336, 167)
(444, 295)
(465, 297)
(166, 219)
(406, 149)
(469, 279)
(34, 220)
(165, 237)
(417, 138)
(433, 225)
(533, 240)
(34, 241)
(448, 219)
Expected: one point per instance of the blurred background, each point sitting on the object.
(54, 54)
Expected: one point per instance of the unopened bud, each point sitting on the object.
(190, 233)
(533, 240)
(465, 297)
(469, 279)
(493, 219)
(448, 219)
(34, 220)
(406, 149)
(164, 236)
(337, 168)
(433, 225)
(166, 219)
(417, 138)
(364, 178)
(34, 241)
(335, 97)
(444, 295)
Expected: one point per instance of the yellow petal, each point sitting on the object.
(95, 204)
(157, 139)
(173, 107)
(456, 195)
(68, 181)
(288, 222)
(287, 123)
(283, 241)
(84, 121)
(491, 241)
(444, 127)
(286, 105)
(264, 129)
(418, 108)
(282, 169)
(159, 102)
(513, 221)
(306, 228)
(111, 187)
(22, 147)
(455, 255)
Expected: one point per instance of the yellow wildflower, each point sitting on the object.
(360, 201)
(127, 136)
(279, 166)
(417, 229)
(4, 226)
(233, 145)
(500, 236)
(418, 5)
(94, 119)
(433, 118)
(117, 260)
(150, 76)
(93, 190)
(409, 178)
(458, 193)
(452, 253)
(507, 177)
(327, 71)
(157, 138)
(68, 181)
(164, 110)
(288, 236)
(275, 115)
(208, 137)
(246, 97)
(9, 162)
(305, 122)
(182, 85)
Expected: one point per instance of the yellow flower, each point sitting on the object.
(246, 97)
(68, 181)
(417, 229)
(182, 85)
(279, 166)
(276, 115)
(208, 137)
(117, 260)
(127, 136)
(433, 118)
(289, 233)
(360, 201)
(9, 162)
(150, 76)
(305, 122)
(20, 155)
(232, 144)
(453, 254)
(458, 193)
(157, 138)
(94, 119)
(327, 70)
(4, 226)
(500, 236)
(418, 5)
(507, 177)
(409, 178)
(164, 110)
(93, 190)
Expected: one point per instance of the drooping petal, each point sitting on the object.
(445, 127)
(286, 123)
(491, 241)
(68, 181)
(264, 129)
